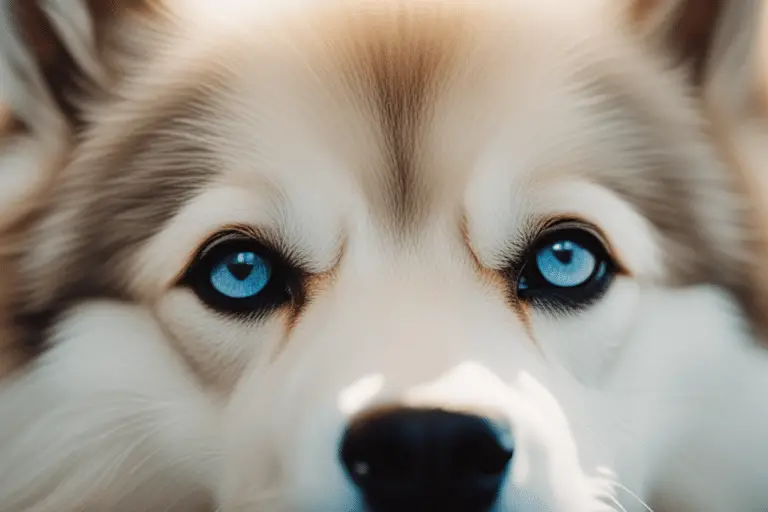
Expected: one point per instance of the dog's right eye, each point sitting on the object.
(235, 274)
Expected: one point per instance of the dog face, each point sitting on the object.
(376, 256)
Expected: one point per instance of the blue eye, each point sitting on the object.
(240, 275)
(567, 267)
(235, 274)
(566, 264)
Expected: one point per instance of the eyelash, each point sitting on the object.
(567, 289)
(211, 269)
(235, 274)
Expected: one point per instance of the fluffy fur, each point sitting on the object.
(402, 153)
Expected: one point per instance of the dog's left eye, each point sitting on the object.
(567, 267)
(236, 274)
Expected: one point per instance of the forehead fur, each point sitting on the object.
(404, 95)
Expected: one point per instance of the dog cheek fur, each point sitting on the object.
(114, 408)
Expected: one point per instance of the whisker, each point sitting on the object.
(615, 501)
(633, 495)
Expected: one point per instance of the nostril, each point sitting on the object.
(480, 455)
(403, 459)
(382, 458)
(382, 451)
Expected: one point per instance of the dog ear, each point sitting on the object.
(684, 30)
(52, 51)
(736, 76)
(52, 61)
(722, 46)
(734, 94)
(735, 89)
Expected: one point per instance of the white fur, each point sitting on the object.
(127, 422)
(653, 397)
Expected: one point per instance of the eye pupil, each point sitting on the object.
(563, 251)
(240, 270)
(242, 265)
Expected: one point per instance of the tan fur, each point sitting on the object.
(734, 106)
(139, 113)
(401, 153)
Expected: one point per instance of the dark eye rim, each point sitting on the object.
(284, 286)
(541, 293)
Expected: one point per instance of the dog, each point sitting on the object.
(382, 256)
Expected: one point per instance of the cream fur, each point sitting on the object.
(267, 116)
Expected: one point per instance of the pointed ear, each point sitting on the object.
(683, 29)
(735, 99)
(722, 45)
(735, 80)
(735, 91)
(52, 60)
(51, 50)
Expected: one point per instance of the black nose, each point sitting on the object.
(421, 460)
